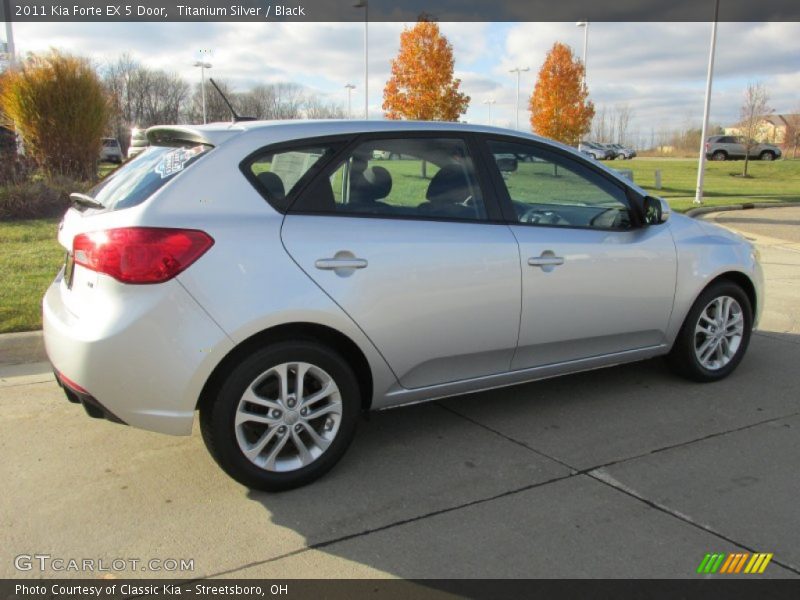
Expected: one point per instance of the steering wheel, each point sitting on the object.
(544, 217)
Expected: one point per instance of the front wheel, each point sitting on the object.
(283, 417)
(715, 334)
(767, 155)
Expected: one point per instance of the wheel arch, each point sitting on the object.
(293, 331)
(740, 279)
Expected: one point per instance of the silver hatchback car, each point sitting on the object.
(280, 279)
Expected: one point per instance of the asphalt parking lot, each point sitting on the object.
(624, 472)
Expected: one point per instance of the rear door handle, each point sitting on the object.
(330, 264)
(546, 261)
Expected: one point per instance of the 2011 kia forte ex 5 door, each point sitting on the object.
(281, 278)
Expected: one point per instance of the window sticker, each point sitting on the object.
(175, 161)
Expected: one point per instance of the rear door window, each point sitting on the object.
(277, 173)
(403, 177)
(136, 181)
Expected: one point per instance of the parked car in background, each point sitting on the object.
(623, 152)
(280, 280)
(610, 148)
(596, 151)
(111, 151)
(139, 142)
(733, 147)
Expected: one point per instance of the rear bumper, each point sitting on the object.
(78, 395)
(140, 356)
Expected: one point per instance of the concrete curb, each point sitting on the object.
(702, 210)
(20, 348)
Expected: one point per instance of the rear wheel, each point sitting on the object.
(719, 155)
(283, 417)
(715, 335)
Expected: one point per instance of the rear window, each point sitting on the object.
(136, 181)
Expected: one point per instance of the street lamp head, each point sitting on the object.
(361, 4)
(582, 24)
(350, 86)
(200, 63)
(520, 70)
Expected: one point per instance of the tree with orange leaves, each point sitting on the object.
(559, 106)
(422, 86)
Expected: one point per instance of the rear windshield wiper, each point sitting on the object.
(84, 200)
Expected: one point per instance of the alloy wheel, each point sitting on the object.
(288, 417)
(718, 333)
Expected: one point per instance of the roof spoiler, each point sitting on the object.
(161, 135)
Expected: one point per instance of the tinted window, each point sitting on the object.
(403, 177)
(139, 179)
(550, 189)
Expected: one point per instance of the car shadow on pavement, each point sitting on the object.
(499, 483)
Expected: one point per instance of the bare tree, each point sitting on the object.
(624, 114)
(216, 109)
(600, 125)
(317, 108)
(755, 108)
(141, 97)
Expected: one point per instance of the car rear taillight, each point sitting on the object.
(140, 254)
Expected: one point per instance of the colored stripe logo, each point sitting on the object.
(733, 563)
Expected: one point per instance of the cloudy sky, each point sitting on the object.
(657, 68)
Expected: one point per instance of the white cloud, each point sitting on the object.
(657, 68)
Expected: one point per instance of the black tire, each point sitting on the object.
(217, 415)
(719, 155)
(767, 155)
(682, 358)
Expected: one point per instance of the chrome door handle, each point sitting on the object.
(329, 264)
(546, 261)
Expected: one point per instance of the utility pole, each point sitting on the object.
(489, 103)
(12, 56)
(365, 5)
(701, 163)
(518, 70)
(585, 25)
(350, 87)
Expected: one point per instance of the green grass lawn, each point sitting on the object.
(30, 256)
(777, 181)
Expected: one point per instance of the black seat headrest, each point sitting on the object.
(369, 185)
(448, 186)
(272, 184)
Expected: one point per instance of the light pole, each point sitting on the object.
(585, 25)
(489, 102)
(350, 87)
(701, 163)
(518, 70)
(9, 34)
(365, 5)
(203, 66)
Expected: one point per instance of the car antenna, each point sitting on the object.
(236, 118)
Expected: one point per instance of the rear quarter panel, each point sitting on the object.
(247, 282)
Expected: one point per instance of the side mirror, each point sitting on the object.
(507, 165)
(656, 210)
